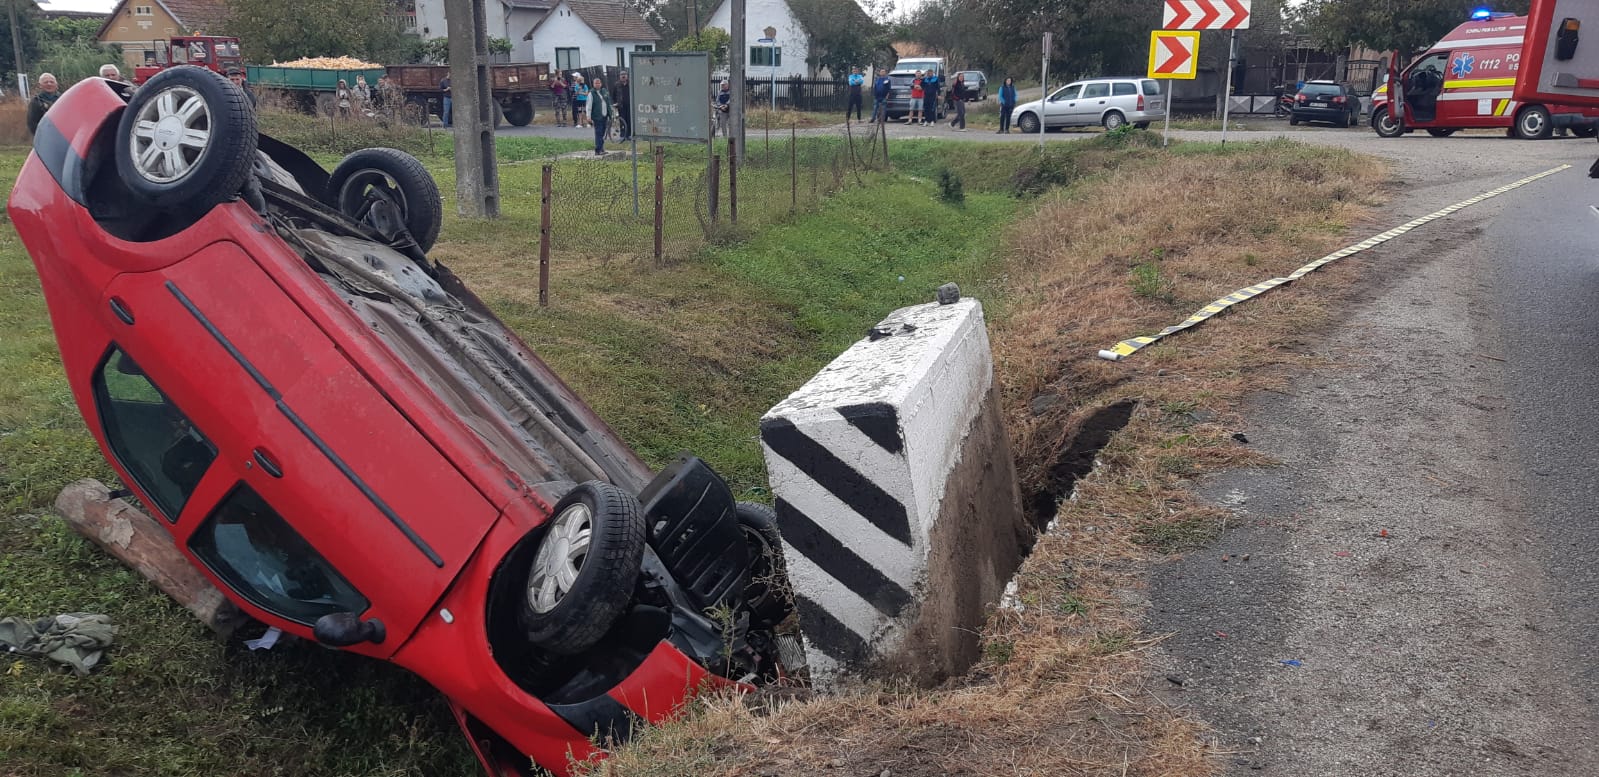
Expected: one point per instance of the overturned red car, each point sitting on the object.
(352, 447)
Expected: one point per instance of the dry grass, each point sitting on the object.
(1066, 687)
(14, 123)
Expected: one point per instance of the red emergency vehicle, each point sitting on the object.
(1465, 81)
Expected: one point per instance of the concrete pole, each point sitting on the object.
(735, 72)
(16, 50)
(477, 176)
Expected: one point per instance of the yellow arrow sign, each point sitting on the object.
(1173, 54)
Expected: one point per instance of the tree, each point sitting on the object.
(713, 40)
(279, 30)
(1385, 25)
(1092, 37)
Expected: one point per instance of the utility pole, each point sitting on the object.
(735, 72)
(477, 175)
(16, 51)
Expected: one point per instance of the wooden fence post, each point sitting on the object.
(716, 187)
(660, 193)
(732, 179)
(544, 237)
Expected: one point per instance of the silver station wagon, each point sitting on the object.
(1107, 102)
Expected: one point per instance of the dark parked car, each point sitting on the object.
(1327, 101)
(348, 443)
(976, 84)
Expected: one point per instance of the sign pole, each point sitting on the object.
(1043, 85)
(1165, 134)
(1227, 92)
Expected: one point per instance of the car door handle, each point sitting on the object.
(268, 464)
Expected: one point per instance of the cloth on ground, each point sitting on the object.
(76, 638)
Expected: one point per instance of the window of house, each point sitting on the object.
(766, 56)
(621, 56)
(644, 47)
(259, 555)
(142, 10)
(161, 451)
(568, 59)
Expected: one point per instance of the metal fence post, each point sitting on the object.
(544, 237)
(732, 180)
(660, 191)
(793, 167)
(716, 186)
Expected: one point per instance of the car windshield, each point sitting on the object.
(1322, 90)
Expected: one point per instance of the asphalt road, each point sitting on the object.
(1420, 592)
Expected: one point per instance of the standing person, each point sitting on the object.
(580, 101)
(1007, 103)
(957, 96)
(931, 84)
(343, 96)
(237, 77)
(724, 103)
(856, 81)
(917, 92)
(601, 111)
(558, 97)
(622, 96)
(42, 101)
(880, 91)
(363, 92)
(446, 105)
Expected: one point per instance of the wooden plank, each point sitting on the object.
(144, 545)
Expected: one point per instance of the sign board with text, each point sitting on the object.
(672, 95)
(1173, 54)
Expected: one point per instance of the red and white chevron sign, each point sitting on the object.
(1207, 15)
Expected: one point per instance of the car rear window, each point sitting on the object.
(1322, 90)
(1122, 87)
(1151, 87)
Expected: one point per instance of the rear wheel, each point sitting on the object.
(187, 140)
(768, 595)
(1028, 123)
(1383, 122)
(1114, 120)
(1293, 121)
(520, 113)
(373, 175)
(1533, 123)
(1440, 133)
(583, 574)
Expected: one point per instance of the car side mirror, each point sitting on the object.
(343, 629)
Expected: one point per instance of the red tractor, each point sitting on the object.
(212, 52)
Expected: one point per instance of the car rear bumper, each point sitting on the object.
(1321, 114)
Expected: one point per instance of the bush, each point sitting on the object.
(1046, 170)
(950, 188)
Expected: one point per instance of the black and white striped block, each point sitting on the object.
(866, 460)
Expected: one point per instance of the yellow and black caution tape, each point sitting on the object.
(1132, 345)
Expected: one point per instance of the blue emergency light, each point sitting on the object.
(1481, 15)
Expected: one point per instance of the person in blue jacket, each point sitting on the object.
(1007, 103)
(880, 90)
(931, 83)
(856, 81)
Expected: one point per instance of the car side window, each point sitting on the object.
(1151, 87)
(1066, 93)
(162, 452)
(1123, 88)
(1096, 90)
(256, 553)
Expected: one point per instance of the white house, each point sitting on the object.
(508, 19)
(792, 51)
(586, 33)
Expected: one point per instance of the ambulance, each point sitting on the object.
(1465, 81)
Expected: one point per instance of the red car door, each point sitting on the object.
(313, 441)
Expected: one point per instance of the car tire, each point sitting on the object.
(396, 176)
(1028, 123)
(1532, 123)
(1440, 133)
(1383, 123)
(201, 127)
(1354, 120)
(520, 113)
(582, 576)
(1585, 131)
(1113, 120)
(768, 595)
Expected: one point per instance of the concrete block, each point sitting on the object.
(896, 496)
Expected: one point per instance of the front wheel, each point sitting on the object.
(1114, 120)
(1383, 122)
(1028, 123)
(1440, 133)
(583, 574)
(1533, 123)
(187, 140)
